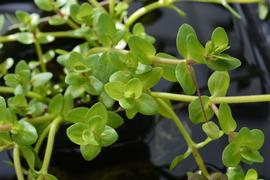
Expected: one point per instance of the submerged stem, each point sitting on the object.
(186, 136)
(49, 148)
(216, 100)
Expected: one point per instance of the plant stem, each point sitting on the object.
(41, 138)
(5, 128)
(195, 82)
(17, 162)
(144, 10)
(95, 3)
(214, 108)
(49, 148)
(40, 119)
(216, 100)
(39, 53)
(10, 90)
(111, 7)
(186, 136)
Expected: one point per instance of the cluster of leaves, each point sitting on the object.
(112, 69)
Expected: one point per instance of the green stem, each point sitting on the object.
(10, 90)
(216, 100)
(40, 119)
(41, 138)
(186, 136)
(155, 59)
(49, 148)
(39, 53)
(207, 141)
(63, 34)
(111, 7)
(8, 38)
(5, 128)
(17, 162)
(144, 10)
(95, 3)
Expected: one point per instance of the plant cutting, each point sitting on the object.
(112, 69)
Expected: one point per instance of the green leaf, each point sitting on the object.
(97, 125)
(105, 29)
(168, 69)
(141, 49)
(108, 136)
(75, 91)
(225, 118)
(218, 83)
(146, 105)
(25, 37)
(57, 20)
(223, 62)
(3, 104)
(45, 38)
(106, 100)
(75, 79)
(220, 38)
(94, 86)
(56, 104)
(115, 89)
(184, 77)
(68, 104)
(211, 129)
(122, 76)
(133, 89)
(252, 156)
(114, 120)
(235, 173)
(251, 175)
(257, 137)
(75, 133)
(263, 10)
(131, 113)
(49, 177)
(84, 11)
(231, 155)
(77, 115)
(98, 109)
(11, 80)
(24, 133)
(196, 114)
(151, 78)
(127, 103)
(195, 49)
(89, 137)
(89, 152)
(29, 156)
(44, 5)
(23, 17)
(181, 40)
(41, 79)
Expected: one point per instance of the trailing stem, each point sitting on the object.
(17, 162)
(39, 53)
(49, 148)
(186, 136)
(216, 100)
(194, 79)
